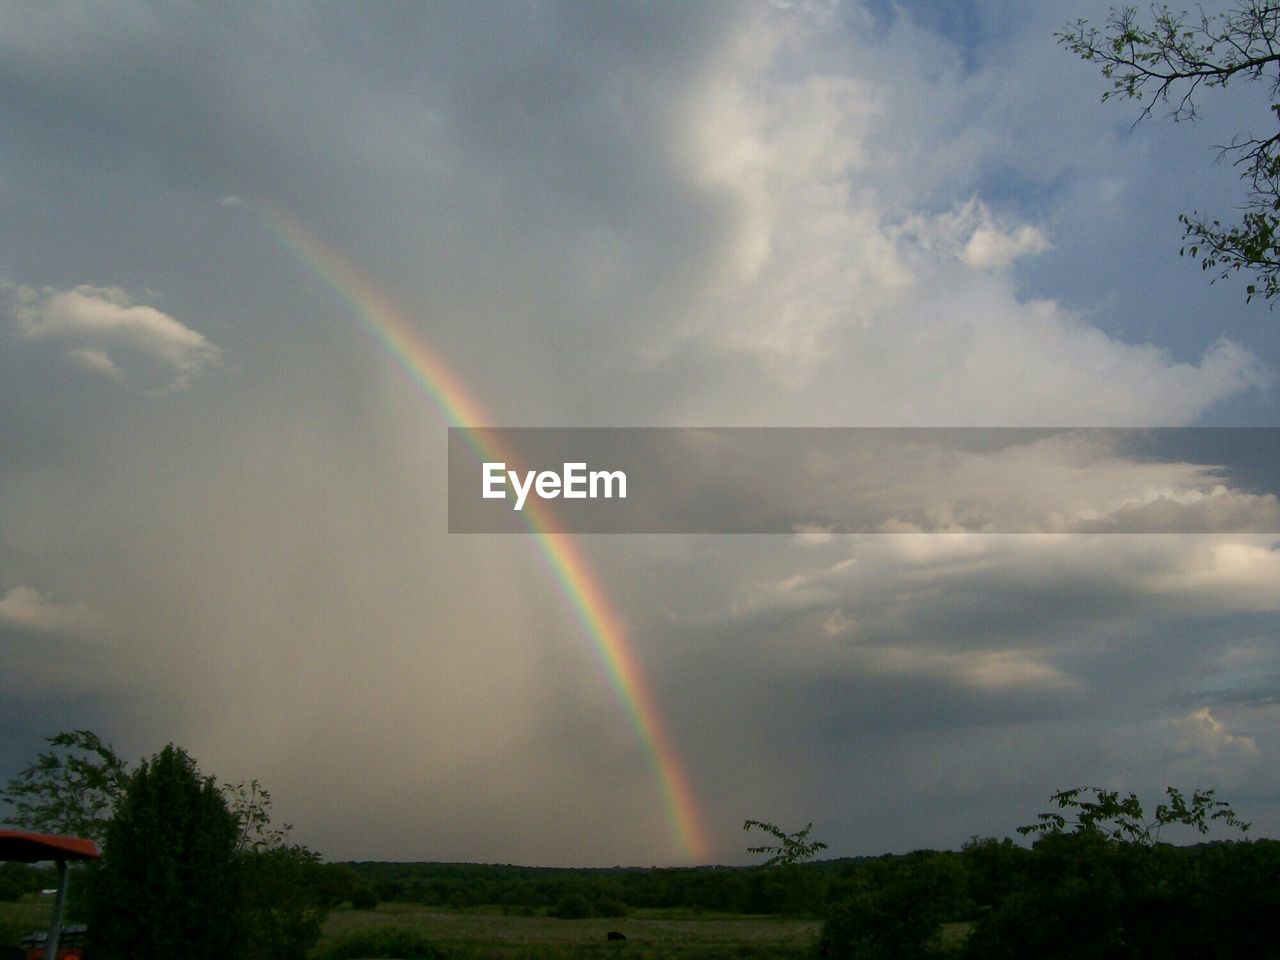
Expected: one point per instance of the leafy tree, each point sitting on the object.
(250, 803)
(17, 879)
(168, 883)
(572, 906)
(895, 909)
(1172, 61)
(1099, 883)
(787, 885)
(791, 848)
(1122, 818)
(72, 789)
(286, 892)
(284, 903)
(75, 789)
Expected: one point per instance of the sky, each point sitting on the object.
(257, 258)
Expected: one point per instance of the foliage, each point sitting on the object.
(1170, 62)
(364, 896)
(1085, 895)
(287, 892)
(895, 908)
(791, 848)
(250, 803)
(387, 942)
(798, 889)
(1122, 818)
(572, 906)
(167, 885)
(17, 879)
(284, 903)
(74, 790)
(1098, 882)
(71, 790)
(993, 870)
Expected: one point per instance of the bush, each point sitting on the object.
(608, 907)
(364, 897)
(895, 909)
(284, 904)
(168, 882)
(572, 906)
(389, 942)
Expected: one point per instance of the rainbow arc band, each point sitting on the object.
(414, 355)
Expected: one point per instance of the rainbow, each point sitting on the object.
(444, 388)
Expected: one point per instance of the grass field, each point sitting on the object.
(32, 912)
(649, 934)
(475, 934)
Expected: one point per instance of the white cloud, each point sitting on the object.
(972, 234)
(102, 330)
(838, 292)
(95, 361)
(28, 609)
(1200, 732)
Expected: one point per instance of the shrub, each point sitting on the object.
(167, 885)
(572, 906)
(364, 897)
(283, 905)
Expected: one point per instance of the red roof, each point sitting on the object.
(30, 847)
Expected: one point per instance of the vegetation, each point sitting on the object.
(1122, 818)
(183, 858)
(1171, 62)
(72, 789)
(194, 869)
(791, 848)
(397, 942)
(167, 885)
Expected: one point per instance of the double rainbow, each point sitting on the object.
(445, 389)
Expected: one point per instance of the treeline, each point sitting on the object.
(605, 892)
(1070, 895)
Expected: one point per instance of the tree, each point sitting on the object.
(1170, 63)
(286, 892)
(1099, 883)
(250, 803)
(895, 909)
(792, 848)
(285, 900)
(72, 789)
(82, 788)
(168, 884)
(1122, 818)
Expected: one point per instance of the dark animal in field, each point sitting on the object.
(615, 935)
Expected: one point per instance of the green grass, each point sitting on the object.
(33, 912)
(471, 935)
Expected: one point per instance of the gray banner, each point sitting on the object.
(864, 480)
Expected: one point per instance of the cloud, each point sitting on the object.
(99, 328)
(606, 214)
(839, 284)
(1199, 732)
(971, 234)
(28, 609)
